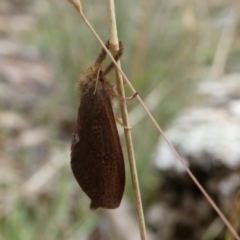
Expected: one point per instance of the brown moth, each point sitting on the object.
(96, 154)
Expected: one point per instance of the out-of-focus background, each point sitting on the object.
(183, 57)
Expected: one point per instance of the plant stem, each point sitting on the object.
(114, 46)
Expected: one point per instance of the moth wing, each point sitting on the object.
(96, 155)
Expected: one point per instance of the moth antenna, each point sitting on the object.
(116, 58)
(102, 54)
(98, 73)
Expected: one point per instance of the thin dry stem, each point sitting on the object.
(113, 39)
(77, 4)
(160, 130)
(113, 35)
(124, 222)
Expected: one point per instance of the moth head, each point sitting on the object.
(90, 77)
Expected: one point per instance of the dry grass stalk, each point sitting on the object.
(113, 39)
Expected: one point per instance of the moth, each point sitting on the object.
(96, 154)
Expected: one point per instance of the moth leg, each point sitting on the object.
(116, 58)
(119, 120)
(114, 94)
(103, 54)
(131, 97)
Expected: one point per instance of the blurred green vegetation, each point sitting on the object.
(168, 46)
